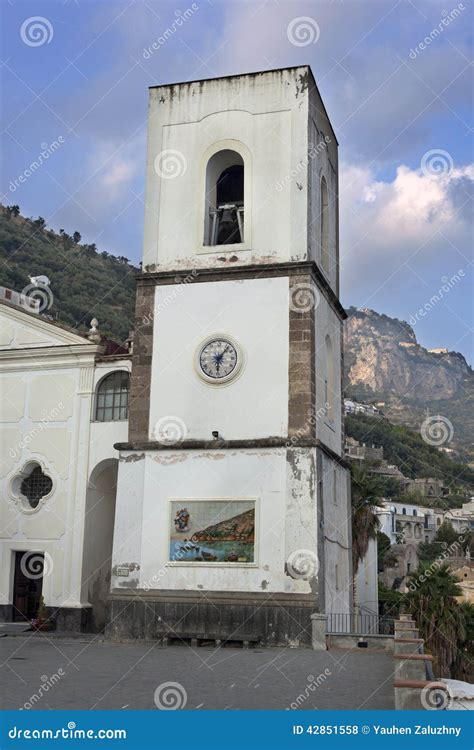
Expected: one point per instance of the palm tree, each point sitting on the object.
(440, 619)
(366, 491)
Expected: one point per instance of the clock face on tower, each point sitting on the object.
(219, 359)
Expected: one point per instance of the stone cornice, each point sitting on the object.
(256, 270)
(47, 357)
(258, 443)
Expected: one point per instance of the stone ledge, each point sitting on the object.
(247, 444)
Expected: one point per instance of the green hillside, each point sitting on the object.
(407, 450)
(85, 283)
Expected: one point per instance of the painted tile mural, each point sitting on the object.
(212, 531)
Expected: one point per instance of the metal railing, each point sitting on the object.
(359, 623)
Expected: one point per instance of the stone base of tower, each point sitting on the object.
(266, 619)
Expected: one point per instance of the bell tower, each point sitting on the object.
(232, 489)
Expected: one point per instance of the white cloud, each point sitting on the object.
(391, 220)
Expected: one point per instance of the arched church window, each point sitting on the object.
(224, 219)
(112, 397)
(330, 381)
(324, 224)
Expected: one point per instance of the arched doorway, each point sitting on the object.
(98, 538)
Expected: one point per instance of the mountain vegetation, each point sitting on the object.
(385, 365)
(406, 449)
(85, 283)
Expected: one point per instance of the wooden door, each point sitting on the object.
(28, 585)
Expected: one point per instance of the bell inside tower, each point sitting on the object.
(225, 199)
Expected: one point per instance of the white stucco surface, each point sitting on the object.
(255, 313)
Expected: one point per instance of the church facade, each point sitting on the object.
(232, 511)
(63, 406)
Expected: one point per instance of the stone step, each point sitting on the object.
(408, 645)
(414, 695)
(411, 666)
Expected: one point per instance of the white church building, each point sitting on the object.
(230, 514)
(64, 401)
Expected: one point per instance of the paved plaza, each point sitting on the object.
(44, 672)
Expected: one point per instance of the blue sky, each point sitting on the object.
(402, 113)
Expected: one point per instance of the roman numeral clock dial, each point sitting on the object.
(219, 359)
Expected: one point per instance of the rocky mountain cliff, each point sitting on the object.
(385, 364)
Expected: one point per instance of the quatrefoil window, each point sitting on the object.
(31, 485)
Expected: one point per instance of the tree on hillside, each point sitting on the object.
(447, 542)
(441, 621)
(366, 491)
(76, 238)
(13, 210)
(40, 222)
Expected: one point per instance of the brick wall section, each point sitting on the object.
(301, 367)
(139, 408)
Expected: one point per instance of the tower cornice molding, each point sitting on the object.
(253, 271)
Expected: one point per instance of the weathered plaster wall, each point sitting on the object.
(336, 535)
(255, 313)
(283, 483)
(265, 118)
(366, 580)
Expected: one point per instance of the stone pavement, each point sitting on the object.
(47, 672)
